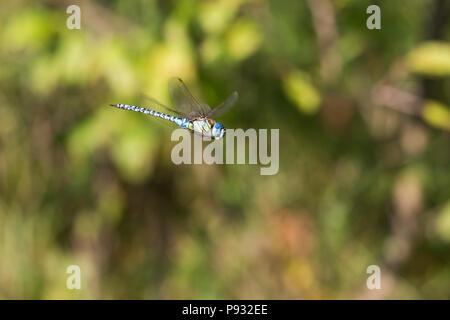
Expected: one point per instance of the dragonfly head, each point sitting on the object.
(218, 131)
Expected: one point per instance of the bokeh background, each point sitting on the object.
(364, 174)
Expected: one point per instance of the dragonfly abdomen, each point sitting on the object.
(182, 122)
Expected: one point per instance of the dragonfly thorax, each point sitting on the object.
(207, 127)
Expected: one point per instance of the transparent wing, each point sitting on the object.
(224, 106)
(155, 105)
(183, 100)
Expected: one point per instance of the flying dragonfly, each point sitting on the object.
(190, 114)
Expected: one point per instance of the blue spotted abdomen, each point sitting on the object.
(182, 122)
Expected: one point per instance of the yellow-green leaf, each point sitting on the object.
(430, 58)
(299, 88)
(442, 223)
(437, 114)
(243, 39)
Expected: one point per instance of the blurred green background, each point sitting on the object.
(364, 175)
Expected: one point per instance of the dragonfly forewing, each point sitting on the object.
(183, 100)
(224, 106)
(155, 104)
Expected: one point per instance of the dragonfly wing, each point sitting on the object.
(224, 106)
(205, 108)
(155, 103)
(183, 100)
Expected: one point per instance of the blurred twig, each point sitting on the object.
(323, 16)
(396, 99)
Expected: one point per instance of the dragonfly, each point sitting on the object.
(189, 113)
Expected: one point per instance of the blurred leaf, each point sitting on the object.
(351, 45)
(437, 114)
(211, 49)
(133, 152)
(44, 75)
(28, 30)
(243, 39)
(298, 87)
(113, 63)
(69, 64)
(90, 134)
(442, 223)
(171, 58)
(74, 61)
(129, 135)
(215, 16)
(430, 58)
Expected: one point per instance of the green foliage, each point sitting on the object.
(299, 88)
(432, 58)
(364, 176)
(437, 114)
